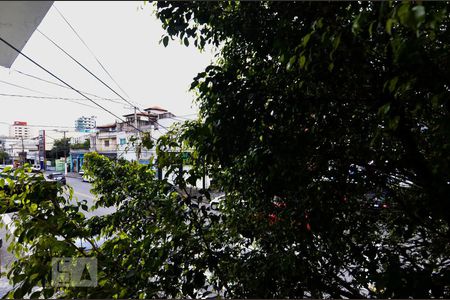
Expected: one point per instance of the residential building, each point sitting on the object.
(104, 141)
(20, 129)
(157, 113)
(127, 132)
(120, 140)
(85, 124)
(21, 150)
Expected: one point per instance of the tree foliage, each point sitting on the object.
(60, 148)
(320, 104)
(3, 156)
(308, 109)
(85, 145)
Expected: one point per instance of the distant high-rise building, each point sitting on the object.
(85, 124)
(20, 130)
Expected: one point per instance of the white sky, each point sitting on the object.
(125, 37)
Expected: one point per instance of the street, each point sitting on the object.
(81, 191)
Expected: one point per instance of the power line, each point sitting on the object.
(89, 49)
(22, 87)
(62, 81)
(179, 119)
(86, 69)
(63, 86)
(43, 93)
(46, 135)
(49, 98)
(180, 116)
(51, 126)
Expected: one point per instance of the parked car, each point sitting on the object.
(84, 177)
(214, 204)
(57, 177)
(36, 168)
(87, 178)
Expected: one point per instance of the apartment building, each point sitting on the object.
(85, 124)
(20, 129)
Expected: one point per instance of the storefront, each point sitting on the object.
(76, 160)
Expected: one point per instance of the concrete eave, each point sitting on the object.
(18, 21)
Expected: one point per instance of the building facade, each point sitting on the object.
(104, 141)
(120, 140)
(21, 150)
(20, 129)
(85, 124)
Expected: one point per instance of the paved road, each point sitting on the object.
(81, 192)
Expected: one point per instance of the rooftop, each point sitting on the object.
(138, 114)
(107, 125)
(156, 107)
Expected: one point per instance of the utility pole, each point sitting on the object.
(135, 118)
(23, 151)
(138, 133)
(65, 154)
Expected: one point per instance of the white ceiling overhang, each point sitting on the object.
(18, 21)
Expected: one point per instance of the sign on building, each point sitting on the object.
(42, 148)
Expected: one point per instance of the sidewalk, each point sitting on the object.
(73, 175)
(69, 174)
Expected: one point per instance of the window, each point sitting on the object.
(123, 141)
(107, 143)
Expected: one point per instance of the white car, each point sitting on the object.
(35, 168)
(85, 178)
(214, 204)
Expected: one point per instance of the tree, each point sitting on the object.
(3, 156)
(320, 105)
(84, 145)
(60, 148)
(308, 109)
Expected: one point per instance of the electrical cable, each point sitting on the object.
(24, 88)
(51, 126)
(49, 98)
(89, 49)
(43, 93)
(62, 81)
(86, 69)
(63, 86)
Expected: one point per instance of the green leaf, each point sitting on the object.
(186, 41)
(393, 123)
(356, 26)
(404, 13)
(419, 13)
(393, 83)
(166, 41)
(33, 207)
(302, 61)
(306, 38)
(336, 41)
(331, 67)
(389, 24)
(291, 62)
(384, 109)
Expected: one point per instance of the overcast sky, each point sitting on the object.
(125, 37)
